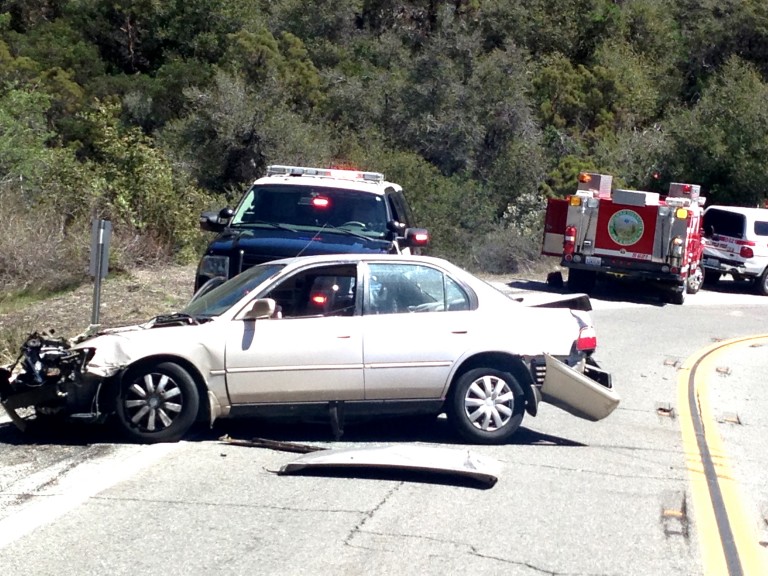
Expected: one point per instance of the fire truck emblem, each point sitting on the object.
(625, 227)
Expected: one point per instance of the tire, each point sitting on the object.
(581, 280)
(677, 296)
(695, 280)
(761, 283)
(157, 403)
(486, 406)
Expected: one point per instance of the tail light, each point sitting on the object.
(569, 240)
(587, 340)
(746, 252)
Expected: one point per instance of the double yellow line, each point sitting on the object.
(727, 533)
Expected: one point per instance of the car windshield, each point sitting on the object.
(312, 207)
(224, 296)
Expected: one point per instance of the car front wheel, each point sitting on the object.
(486, 406)
(157, 403)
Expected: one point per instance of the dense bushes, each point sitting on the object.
(147, 112)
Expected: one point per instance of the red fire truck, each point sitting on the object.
(628, 233)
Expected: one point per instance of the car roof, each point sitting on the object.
(753, 212)
(322, 258)
(359, 185)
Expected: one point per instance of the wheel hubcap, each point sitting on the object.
(153, 402)
(489, 403)
(696, 280)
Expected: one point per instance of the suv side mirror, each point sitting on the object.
(396, 227)
(416, 237)
(216, 221)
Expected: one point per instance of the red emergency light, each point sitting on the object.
(319, 299)
(584, 177)
(321, 202)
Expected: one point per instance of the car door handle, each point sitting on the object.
(459, 331)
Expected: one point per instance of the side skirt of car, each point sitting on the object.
(343, 410)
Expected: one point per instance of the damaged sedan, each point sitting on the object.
(325, 337)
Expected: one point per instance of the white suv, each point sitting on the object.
(736, 243)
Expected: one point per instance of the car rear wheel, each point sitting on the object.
(677, 295)
(695, 280)
(486, 406)
(157, 403)
(762, 283)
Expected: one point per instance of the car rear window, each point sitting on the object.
(724, 223)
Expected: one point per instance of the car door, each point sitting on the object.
(311, 353)
(417, 323)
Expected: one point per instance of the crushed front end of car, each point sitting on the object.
(48, 381)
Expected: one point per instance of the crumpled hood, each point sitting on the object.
(117, 348)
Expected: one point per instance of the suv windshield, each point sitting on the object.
(309, 207)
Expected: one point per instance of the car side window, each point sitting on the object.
(404, 288)
(320, 292)
(399, 207)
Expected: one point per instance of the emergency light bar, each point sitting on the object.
(278, 170)
(677, 202)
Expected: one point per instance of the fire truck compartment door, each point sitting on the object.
(554, 226)
(630, 231)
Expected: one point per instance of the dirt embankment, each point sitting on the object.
(125, 299)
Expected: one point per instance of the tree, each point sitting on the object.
(722, 142)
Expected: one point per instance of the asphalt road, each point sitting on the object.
(616, 497)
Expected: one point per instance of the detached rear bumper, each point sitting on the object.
(589, 395)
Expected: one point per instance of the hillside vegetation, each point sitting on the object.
(145, 112)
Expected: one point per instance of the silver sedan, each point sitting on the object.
(336, 337)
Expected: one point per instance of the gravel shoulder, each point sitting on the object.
(126, 298)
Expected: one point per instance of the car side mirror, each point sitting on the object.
(261, 308)
(396, 227)
(216, 221)
(416, 237)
